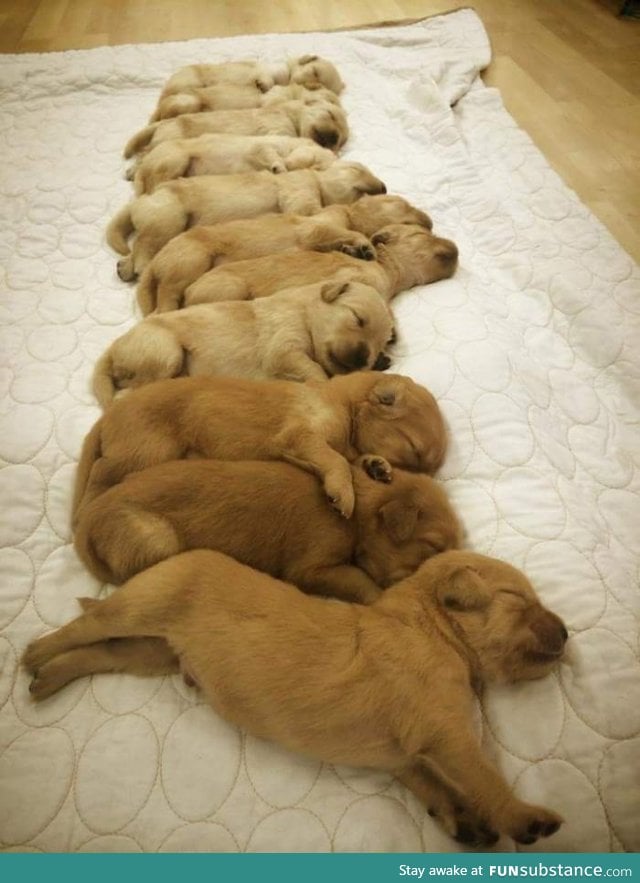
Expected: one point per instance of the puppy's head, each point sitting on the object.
(401, 524)
(311, 70)
(350, 326)
(423, 257)
(345, 182)
(399, 420)
(494, 611)
(371, 213)
(324, 123)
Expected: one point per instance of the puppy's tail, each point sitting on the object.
(104, 387)
(140, 139)
(91, 451)
(147, 293)
(120, 229)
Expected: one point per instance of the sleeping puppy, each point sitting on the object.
(324, 123)
(388, 686)
(318, 426)
(308, 333)
(406, 255)
(307, 70)
(272, 516)
(227, 155)
(211, 199)
(197, 99)
(191, 254)
(232, 97)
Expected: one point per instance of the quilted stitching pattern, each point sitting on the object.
(532, 350)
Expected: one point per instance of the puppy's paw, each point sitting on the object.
(359, 247)
(125, 270)
(341, 498)
(529, 823)
(461, 821)
(36, 654)
(377, 468)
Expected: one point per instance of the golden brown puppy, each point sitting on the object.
(386, 686)
(275, 518)
(226, 96)
(211, 199)
(307, 333)
(315, 425)
(405, 256)
(307, 70)
(324, 123)
(188, 256)
(227, 155)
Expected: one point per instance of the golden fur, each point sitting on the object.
(210, 199)
(386, 686)
(271, 516)
(227, 155)
(308, 333)
(406, 255)
(324, 123)
(307, 70)
(340, 227)
(227, 96)
(315, 425)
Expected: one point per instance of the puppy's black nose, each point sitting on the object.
(325, 137)
(357, 357)
(447, 252)
(564, 633)
(381, 363)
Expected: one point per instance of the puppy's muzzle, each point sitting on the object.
(381, 363)
(325, 137)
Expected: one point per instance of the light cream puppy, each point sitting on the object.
(211, 199)
(308, 70)
(406, 255)
(232, 97)
(309, 333)
(221, 154)
(389, 685)
(336, 228)
(324, 123)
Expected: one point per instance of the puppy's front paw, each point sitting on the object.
(360, 248)
(377, 468)
(533, 822)
(341, 498)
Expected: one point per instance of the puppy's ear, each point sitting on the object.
(399, 520)
(389, 393)
(332, 291)
(307, 59)
(464, 590)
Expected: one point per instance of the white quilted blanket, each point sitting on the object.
(532, 350)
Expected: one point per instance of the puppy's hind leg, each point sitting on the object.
(146, 657)
(146, 353)
(147, 605)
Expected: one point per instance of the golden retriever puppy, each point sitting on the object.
(406, 255)
(324, 123)
(275, 518)
(196, 99)
(337, 228)
(211, 199)
(227, 155)
(308, 333)
(388, 686)
(318, 425)
(307, 70)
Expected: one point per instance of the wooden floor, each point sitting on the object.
(568, 70)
